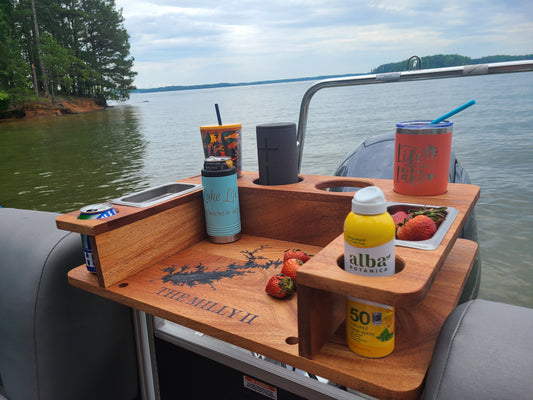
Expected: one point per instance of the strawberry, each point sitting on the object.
(296, 253)
(290, 267)
(399, 218)
(280, 286)
(420, 227)
(436, 214)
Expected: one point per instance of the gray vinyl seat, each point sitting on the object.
(57, 341)
(484, 352)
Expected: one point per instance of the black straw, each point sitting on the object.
(218, 114)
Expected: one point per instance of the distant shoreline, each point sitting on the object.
(435, 61)
(45, 107)
(225, 84)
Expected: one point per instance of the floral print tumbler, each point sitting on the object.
(223, 140)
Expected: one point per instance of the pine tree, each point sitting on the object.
(37, 37)
(107, 44)
(13, 68)
(73, 47)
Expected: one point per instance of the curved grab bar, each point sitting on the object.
(404, 76)
(417, 64)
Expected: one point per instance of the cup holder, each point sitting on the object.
(342, 185)
(399, 264)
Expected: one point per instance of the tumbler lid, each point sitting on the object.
(369, 201)
(218, 163)
(423, 127)
(221, 128)
(218, 166)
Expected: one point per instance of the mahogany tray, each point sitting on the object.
(158, 260)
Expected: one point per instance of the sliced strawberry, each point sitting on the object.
(399, 218)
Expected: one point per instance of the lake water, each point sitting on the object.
(62, 163)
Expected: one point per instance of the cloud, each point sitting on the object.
(234, 41)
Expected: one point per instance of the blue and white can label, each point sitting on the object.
(93, 211)
(221, 201)
(88, 253)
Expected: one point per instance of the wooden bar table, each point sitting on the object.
(158, 260)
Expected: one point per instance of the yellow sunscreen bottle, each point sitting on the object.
(369, 250)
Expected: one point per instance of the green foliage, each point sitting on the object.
(109, 49)
(13, 69)
(501, 58)
(4, 100)
(64, 69)
(83, 47)
(436, 61)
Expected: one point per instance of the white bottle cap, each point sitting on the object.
(369, 201)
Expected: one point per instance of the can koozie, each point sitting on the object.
(221, 200)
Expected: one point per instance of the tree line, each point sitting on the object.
(63, 47)
(445, 60)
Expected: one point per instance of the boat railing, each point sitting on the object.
(403, 76)
(414, 62)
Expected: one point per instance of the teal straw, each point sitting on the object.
(453, 112)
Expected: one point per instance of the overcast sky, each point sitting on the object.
(195, 41)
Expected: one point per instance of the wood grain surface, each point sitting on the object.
(158, 260)
(219, 290)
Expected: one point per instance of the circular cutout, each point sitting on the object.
(123, 285)
(399, 264)
(342, 185)
(291, 340)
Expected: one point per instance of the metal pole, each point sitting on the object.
(147, 367)
(404, 76)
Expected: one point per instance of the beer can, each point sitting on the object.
(93, 211)
(221, 200)
(97, 211)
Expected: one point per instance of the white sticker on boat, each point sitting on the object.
(260, 387)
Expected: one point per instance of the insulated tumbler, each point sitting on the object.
(422, 157)
(223, 141)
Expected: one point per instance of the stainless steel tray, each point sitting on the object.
(429, 244)
(157, 194)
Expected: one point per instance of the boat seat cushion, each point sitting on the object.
(484, 351)
(57, 341)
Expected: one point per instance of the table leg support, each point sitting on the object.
(144, 340)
